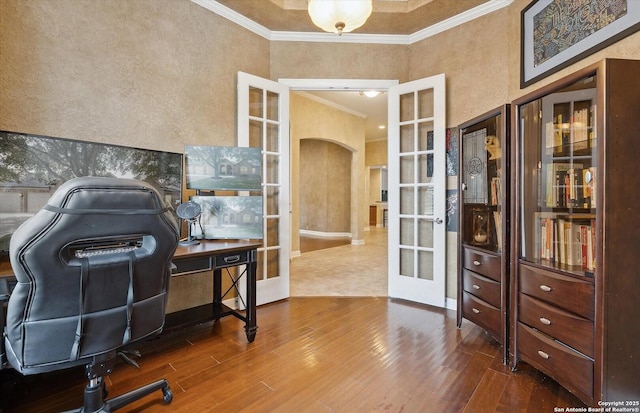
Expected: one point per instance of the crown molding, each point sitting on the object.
(343, 85)
(234, 17)
(284, 36)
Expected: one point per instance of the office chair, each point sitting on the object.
(92, 270)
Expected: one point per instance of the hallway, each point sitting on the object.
(347, 270)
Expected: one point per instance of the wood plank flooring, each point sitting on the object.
(315, 354)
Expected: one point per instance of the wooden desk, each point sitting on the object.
(213, 255)
(218, 255)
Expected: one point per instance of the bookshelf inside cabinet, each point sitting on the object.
(562, 231)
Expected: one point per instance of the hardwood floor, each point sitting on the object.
(315, 354)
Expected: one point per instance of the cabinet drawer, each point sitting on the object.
(568, 293)
(188, 265)
(482, 313)
(482, 287)
(231, 259)
(569, 368)
(574, 331)
(485, 264)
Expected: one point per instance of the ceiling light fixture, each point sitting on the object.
(371, 93)
(339, 16)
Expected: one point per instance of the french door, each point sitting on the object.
(417, 191)
(263, 122)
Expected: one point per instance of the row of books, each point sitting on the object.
(576, 131)
(570, 185)
(567, 241)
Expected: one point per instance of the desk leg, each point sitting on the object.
(250, 325)
(217, 294)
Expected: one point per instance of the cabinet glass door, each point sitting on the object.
(559, 179)
(482, 184)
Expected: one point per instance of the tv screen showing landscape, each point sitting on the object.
(223, 168)
(229, 217)
(32, 167)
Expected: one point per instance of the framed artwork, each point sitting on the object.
(452, 151)
(229, 217)
(223, 168)
(452, 210)
(558, 33)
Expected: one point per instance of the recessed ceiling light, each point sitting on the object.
(382, 127)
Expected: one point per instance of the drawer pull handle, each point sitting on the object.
(545, 321)
(545, 288)
(475, 310)
(476, 262)
(543, 354)
(476, 286)
(229, 260)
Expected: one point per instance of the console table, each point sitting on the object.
(216, 256)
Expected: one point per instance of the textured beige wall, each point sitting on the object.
(325, 190)
(145, 73)
(376, 153)
(298, 60)
(313, 120)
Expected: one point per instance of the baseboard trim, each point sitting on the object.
(322, 234)
(451, 304)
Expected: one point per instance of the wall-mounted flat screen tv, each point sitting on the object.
(223, 168)
(229, 217)
(32, 167)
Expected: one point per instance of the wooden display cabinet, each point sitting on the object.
(576, 226)
(484, 214)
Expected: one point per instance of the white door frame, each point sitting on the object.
(341, 85)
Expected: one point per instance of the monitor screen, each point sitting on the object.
(32, 167)
(223, 168)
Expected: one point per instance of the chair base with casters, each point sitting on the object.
(95, 391)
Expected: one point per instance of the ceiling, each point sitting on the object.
(373, 110)
(392, 21)
(392, 17)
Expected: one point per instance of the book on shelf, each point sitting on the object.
(580, 126)
(557, 134)
(496, 190)
(571, 131)
(570, 185)
(497, 220)
(567, 241)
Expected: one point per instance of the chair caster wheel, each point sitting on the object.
(167, 395)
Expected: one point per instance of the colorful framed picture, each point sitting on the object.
(558, 33)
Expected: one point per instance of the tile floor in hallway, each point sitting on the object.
(347, 270)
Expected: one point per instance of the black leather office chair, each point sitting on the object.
(92, 270)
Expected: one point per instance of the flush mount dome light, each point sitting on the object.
(339, 16)
(371, 93)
